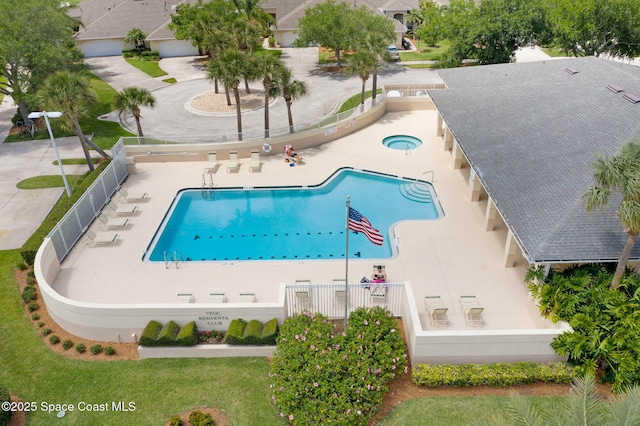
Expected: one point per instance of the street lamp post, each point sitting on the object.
(47, 115)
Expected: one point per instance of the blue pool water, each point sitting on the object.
(289, 223)
(401, 142)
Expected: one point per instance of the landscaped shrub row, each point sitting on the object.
(319, 376)
(5, 415)
(500, 374)
(29, 293)
(155, 334)
(252, 333)
(31, 246)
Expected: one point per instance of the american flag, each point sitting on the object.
(359, 223)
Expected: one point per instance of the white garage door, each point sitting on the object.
(176, 48)
(102, 48)
(288, 38)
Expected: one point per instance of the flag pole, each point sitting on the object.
(346, 268)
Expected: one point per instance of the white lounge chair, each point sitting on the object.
(247, 297)
(472, 310)
(185, 297)
(101, 238)
(436, 310)
(131, 198)
(113, 222)
(255, 164)
(233, 164)
(378, 294)
(213, 164)
(218, 297)
(127, 210)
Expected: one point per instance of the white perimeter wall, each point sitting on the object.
(110, 322)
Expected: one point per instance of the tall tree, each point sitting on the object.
(70, 94)
(290, 89)
(36, 41)
(619, 174)
(329, 24)
(130, 99)
(228, 67)
(596, 27)
(582, 407)
(267, 66)
(362, 63)
(427, 21)
(205, 24)
(137, 37)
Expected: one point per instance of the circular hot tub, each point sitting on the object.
(401, 142)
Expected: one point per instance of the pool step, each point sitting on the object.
(417, 191)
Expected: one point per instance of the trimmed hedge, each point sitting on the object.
(270, 332)
(188, 335)
(31, 246)
(168, 334)
(150, 333)
(500, 374)
(252, 334)
(235, 333)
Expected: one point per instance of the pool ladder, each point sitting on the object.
(174, 258)
(207, 188)
(418, 190)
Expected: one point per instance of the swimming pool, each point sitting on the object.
(290, 223)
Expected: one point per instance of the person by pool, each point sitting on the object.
(378, 276)
(291, 154)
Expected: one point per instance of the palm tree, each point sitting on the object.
(582, 407)
(130, 99)
(619, 174)
(136, 37)
(70, 94)
(267, 66)
(228, 68)
(290, 88)
(362, 63)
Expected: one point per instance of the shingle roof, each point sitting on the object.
(531, 132)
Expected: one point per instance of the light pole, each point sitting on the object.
(47, 115)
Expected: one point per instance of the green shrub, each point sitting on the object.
(29, 293)
(54, 340)
(41, 324)
(188, 335)
(96, 349)
(235, 332)
(168, 334)
(81, 348)
(175, 420)
(252, 334)
(150, 333)
(33, 306)
(109, 350)
(31, 280)
(270, 332)
(151, 55)
(31, 274)
(35, 317)
(67, 344)
(198, 418)
(500, 374)
(22, 265)
(5, 397)
(46, 331)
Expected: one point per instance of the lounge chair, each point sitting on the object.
(101, 238)
(472, 310)
(185, 297)
(255, 164)
(121, 210)
(212, 165)
(218, 297)
(378, 294)
(247, 297)
(233, 164)
(113, 223)
(131, 198)
(436, 310)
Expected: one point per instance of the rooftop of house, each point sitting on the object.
(531, 132)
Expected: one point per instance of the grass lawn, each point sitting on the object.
(151, 68)
(52, 181)
(426, 53)
(554, 52)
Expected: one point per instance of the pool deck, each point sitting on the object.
(448, 257)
